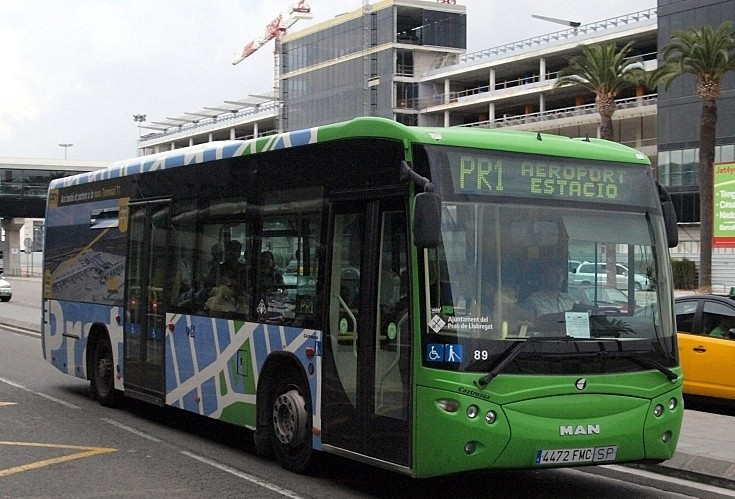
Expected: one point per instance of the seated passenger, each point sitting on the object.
(269, 279)
(224, 297)
(231, 264)
(211, 270)
(722, 330)
(550, 298)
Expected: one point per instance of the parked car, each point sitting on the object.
(706, 335)
(6, 290)
(572, 269)
(602, 297)
(589, 273)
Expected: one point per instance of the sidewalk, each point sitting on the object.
(705, 452)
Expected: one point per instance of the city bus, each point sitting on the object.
(364, 289)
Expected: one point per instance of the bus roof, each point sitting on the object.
(368, 127)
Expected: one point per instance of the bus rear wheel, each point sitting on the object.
(291, 424)
(102, 375)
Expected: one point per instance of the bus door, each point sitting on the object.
(366, 396)
(145, 316)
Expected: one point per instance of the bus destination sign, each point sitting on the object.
(504, 174)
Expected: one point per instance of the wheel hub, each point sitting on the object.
(289, 417)
(104, 371)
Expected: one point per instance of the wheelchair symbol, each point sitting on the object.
(435, 352)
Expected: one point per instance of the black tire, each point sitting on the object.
(102, 374)
(5, 298)
(290, 422)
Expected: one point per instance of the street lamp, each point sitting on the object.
(65, 146)
(139, 118)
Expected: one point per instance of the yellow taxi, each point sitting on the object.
(706, 336)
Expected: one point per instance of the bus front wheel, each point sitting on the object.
(102, 375)
(291, 423)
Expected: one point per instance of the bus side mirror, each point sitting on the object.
(669, 214)
(427, 220)
(672, 232)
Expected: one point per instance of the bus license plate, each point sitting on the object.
(572, 456)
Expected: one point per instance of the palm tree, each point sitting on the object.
(709, 54)
(604, 70)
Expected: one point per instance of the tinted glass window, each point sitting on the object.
(685, 316)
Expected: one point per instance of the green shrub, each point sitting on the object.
(685, 274)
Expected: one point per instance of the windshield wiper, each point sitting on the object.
(650, 363)
(507, 357)
(514, 350)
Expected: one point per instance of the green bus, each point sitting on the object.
(377, 291)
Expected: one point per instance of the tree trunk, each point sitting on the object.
(607, 133)
(606, 127)
(707, 126)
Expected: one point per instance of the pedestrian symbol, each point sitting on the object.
(453, 353)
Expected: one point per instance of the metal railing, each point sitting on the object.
(421, 103)
(569, 33)
(220, 119)
(567, 112)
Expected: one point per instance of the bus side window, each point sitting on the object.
(183, 248)
(285, 269)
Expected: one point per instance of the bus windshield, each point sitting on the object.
(586, 278)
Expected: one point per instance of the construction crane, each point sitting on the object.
(274, 30)
(573, 24)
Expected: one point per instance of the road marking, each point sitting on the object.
(245, 476)
(19, 330)
(131, 430)
(87, 452)
(47, 397)
(12, 383)
(7, 403)
(58, 401)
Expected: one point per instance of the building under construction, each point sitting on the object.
(407, 60)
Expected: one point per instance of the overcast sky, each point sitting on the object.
(76, 71)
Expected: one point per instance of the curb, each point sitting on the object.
(724, 480)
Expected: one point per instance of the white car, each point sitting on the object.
(586, 274)
(6, 290)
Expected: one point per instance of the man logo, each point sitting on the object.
(590, 429)
(581, 384)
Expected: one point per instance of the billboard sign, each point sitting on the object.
(724, 205)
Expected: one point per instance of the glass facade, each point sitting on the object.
(678, 171)
(439, 29)
(337, 93)
(414, 26)
(336, 88)
(679, 167)
(29, 183)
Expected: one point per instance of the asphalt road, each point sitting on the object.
(57, 442)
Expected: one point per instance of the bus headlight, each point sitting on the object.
(673, 403)
(658, 410)
(472, 411)
(449, 405)
(491, 417)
